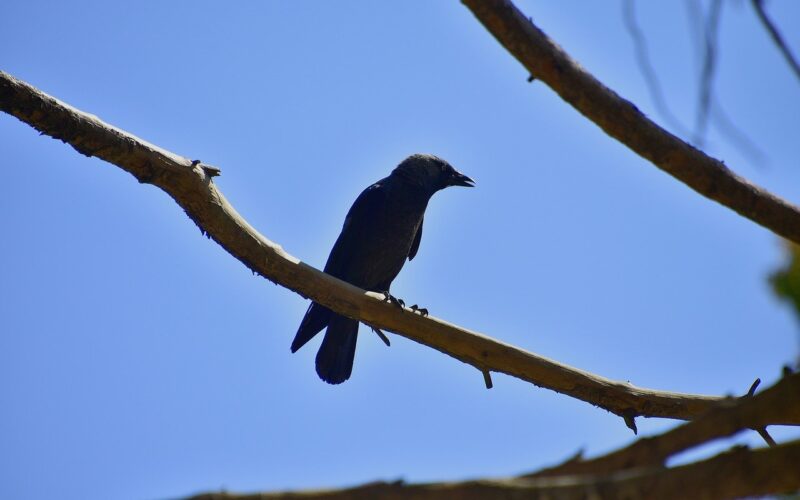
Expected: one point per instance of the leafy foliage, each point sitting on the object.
(785, 281)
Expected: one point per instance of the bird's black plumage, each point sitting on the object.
(382, 229)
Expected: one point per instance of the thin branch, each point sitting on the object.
(547, 62)
(190, 185)
(737, 137)
(724, 124)
(758, 5)
(762, 431)
(775, 405)
(711, 31)
(487, 379)
(736, 473)
(694, 18)
(646, 68)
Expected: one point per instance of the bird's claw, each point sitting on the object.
(382, 335)
(421, 310)
(387, 297)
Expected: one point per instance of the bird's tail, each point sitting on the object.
(335, 355)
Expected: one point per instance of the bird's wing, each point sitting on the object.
(362, 214)
(417, 239)
(317, 317)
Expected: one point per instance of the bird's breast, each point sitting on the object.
(385, 245)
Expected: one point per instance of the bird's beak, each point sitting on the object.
(459, 179)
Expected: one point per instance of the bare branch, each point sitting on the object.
(711, 30)
(724, 124)
(758, 5)
(620, 119)
(737, 473)
(737, 138)
(646, 68)
(190, 185)
(775, 405)
(762, 431)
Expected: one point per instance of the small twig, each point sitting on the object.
(630, 421)
(753, 388)
(738, 139)
(694, 16)
(381, 335)
(758, 5)
(724, 124)
(646, 68)
(487, 379)
(762, 431)
(211, 171)
(708, 72)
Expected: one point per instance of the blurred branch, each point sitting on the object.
(708, 71)
(736, 473)
(190, 184)
(777, 405)
(698, 28)
(758, 5)
(646, 68)
(737, 138)
(620, 119)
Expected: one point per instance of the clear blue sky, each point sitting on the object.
(138, 360)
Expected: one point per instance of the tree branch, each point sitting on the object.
(620, 119)
(637, 471)
(758, 5)
(775, 405)
(646, 67)
(710, 45)
(736, 473)
(190, 185)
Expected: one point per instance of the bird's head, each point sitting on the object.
(431, 173)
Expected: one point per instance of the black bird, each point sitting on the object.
(382, 229)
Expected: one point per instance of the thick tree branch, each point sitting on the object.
(622, 120)
(737, 473)
(775, 405)
(189, 184)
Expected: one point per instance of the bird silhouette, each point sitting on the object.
(382, 229)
